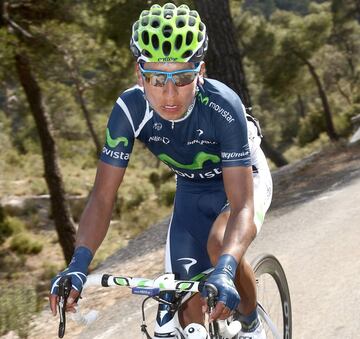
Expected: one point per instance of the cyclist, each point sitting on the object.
(198, 127)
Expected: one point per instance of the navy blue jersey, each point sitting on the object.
(213, 133)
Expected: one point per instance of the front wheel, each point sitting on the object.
(273, 297)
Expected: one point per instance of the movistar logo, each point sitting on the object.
(114, 142)
(190, 262)
(204, 100)
(198, 162)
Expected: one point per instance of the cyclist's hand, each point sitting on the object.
(70, 304)
(77, 270)
(223, 279)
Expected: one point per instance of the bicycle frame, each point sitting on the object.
(167, 324)
(171, 294)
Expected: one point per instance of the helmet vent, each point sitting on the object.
(185, 7)
(145, 37)
(155, 23)
(181, 12)
(156, 12)
(168, 14)
(180, 22)
(144, 21)
(178, 41)
(166, 47)
(189, 37)
(192, 21)
(169, 6)
(146, 53)
(155, 41)
(186, 54)
(167, 31)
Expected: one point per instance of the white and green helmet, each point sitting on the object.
(169, 34)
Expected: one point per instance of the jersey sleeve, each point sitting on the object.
(233, 133)
(120, 136)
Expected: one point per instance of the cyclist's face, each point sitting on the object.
(169, 100)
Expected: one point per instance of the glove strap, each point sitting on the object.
(81, 259)
(228, 265)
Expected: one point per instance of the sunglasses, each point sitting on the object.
(179, 78)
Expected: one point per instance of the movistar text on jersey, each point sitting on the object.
(232, 155)
(202, 175)
(225, 114)
(116, 155)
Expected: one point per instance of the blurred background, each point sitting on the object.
(295, 64)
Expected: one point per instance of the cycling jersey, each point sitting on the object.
(212, 134)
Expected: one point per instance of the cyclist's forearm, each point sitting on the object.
(240, 228)
(239, 234)
(94, 223)
(95, 219)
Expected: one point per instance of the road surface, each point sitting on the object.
(318, 243)
(316, 236)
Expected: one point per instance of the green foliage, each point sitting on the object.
(24, 243)
(296, 152)
(18, 304)
(6, 229)
(279, 51)
(155, 179)
(7, 50)
(9, 226)
(310, 128)
(167, 194)
(267, 7)
(16, 225)
(137, 195)
(50, 270)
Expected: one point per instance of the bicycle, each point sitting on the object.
(274, 305)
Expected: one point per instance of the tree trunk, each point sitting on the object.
(330, 130)
(301, 106)
(224, 60)
(357, 10)
(276, 157)
(69, 60)
(60, 209)
(87, 117)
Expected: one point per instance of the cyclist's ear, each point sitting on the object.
(202, 74)
(139, 76)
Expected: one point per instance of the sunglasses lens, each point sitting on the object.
(183, 79)
(159, 79)
(155, 79)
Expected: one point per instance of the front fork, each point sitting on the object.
(167, 323)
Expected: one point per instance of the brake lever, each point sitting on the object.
(212, 293)
(64, 292)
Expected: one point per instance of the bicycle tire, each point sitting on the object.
(266, 266)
